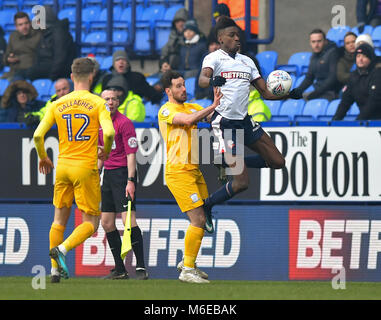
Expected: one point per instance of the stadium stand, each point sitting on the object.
(274, 106)
(337, 34)
(267, 61)
(297, 64)
(290, 108)
(312, 109)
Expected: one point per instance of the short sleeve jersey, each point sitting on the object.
(125, 141)
(181, 141)
(239, 73)
(78, 116)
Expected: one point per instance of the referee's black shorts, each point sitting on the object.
(114, 191)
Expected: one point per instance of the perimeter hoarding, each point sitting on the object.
(267, 242)
(322, 164)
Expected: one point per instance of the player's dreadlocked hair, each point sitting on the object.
(223, 23)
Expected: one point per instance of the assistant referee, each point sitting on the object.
(119, 181)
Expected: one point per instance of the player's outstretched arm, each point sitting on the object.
(260, 85)
(191, 119)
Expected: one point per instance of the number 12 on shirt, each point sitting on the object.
(78, 136)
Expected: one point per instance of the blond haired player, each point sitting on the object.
(78, 116)
(184, 179)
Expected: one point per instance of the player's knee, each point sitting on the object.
(108, 225)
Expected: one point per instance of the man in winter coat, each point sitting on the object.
(364, 87)
(322, 69)
(346, 58)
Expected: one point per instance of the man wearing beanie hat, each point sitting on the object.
(192, 51)
(364, 87)
(136, 81)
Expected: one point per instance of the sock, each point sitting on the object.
(222, 194)
(56, 236)
(193, 238)
(255, 161)
(115, 243)
(78, 236)
(137, 246)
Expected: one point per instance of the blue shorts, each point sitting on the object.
(232, 135)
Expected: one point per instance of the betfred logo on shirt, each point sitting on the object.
(322, 241)
(236, 75)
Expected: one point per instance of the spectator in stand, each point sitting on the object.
(55, 52)
(96, 86)
(171, 50)
(19, 100)
(21, 49)
(206, 93)
(192, 51)
(3, 47)
(321, 71)
(346, 58)
(368, 17)
(136, 81)
(163, 67)
(62, 87)
(364, 87)
(364, 38)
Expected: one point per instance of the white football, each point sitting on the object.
(279, 82)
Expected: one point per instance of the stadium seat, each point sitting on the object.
(353, 110)
(126, 17)
(10, 4)
(161, 36)
(267, 61)
(291, 108)
(68, 13)
(297, 64)
(190, 85)
(152, 80)
(367, 29)
(106, 63)
(337, 34)
(151, 111)
(203, 102)
(3, 86)
(274, 106)
(171, 11)
(6, 16)
(315, 108)
(350, 118)
(376, 37)
(280, 118)
(93, 38)
(101, 23)
(300, 80)
(90, 14)
(332, 107)
(95, 3)
(42, 86)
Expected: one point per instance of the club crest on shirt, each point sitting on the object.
(165, 112)
(194, 197)
(132, 142)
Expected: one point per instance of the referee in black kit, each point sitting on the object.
(119, 181)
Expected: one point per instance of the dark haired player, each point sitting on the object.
(234, 72)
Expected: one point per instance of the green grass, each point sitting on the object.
(154, 289)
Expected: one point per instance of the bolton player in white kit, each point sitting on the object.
(234, 73)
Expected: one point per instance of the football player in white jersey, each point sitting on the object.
(234, 72)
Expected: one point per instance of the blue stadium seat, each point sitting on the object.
(280, 118)
(152, 80)
(350, 118)
(90, 14)
(171, 11)
(151, 111)
(125, 18)
(101, 23)
(3, 86)
(332, 107)
(337, 34)
(367, 29)
(161, 36)
(68, 13)
(6, 16)
(315, 108)
(11, 4)
(300, 80)
(42, 86)
(94, 37)
(106, 63)
(291, 108)
(68, 3)
(274, 106)
(97, 3)
(293, 78)
(190, 85)
(203, 102)
(353, 110)
(297, 63)
(376, 37)
(267, 61)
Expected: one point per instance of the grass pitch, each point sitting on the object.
(154, 289)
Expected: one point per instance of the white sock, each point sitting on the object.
(54, 272)
(187, 268)
(62, 248)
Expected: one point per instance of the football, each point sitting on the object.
(279, 82)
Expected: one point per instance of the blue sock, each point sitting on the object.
(255, 161)
(222, 194)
